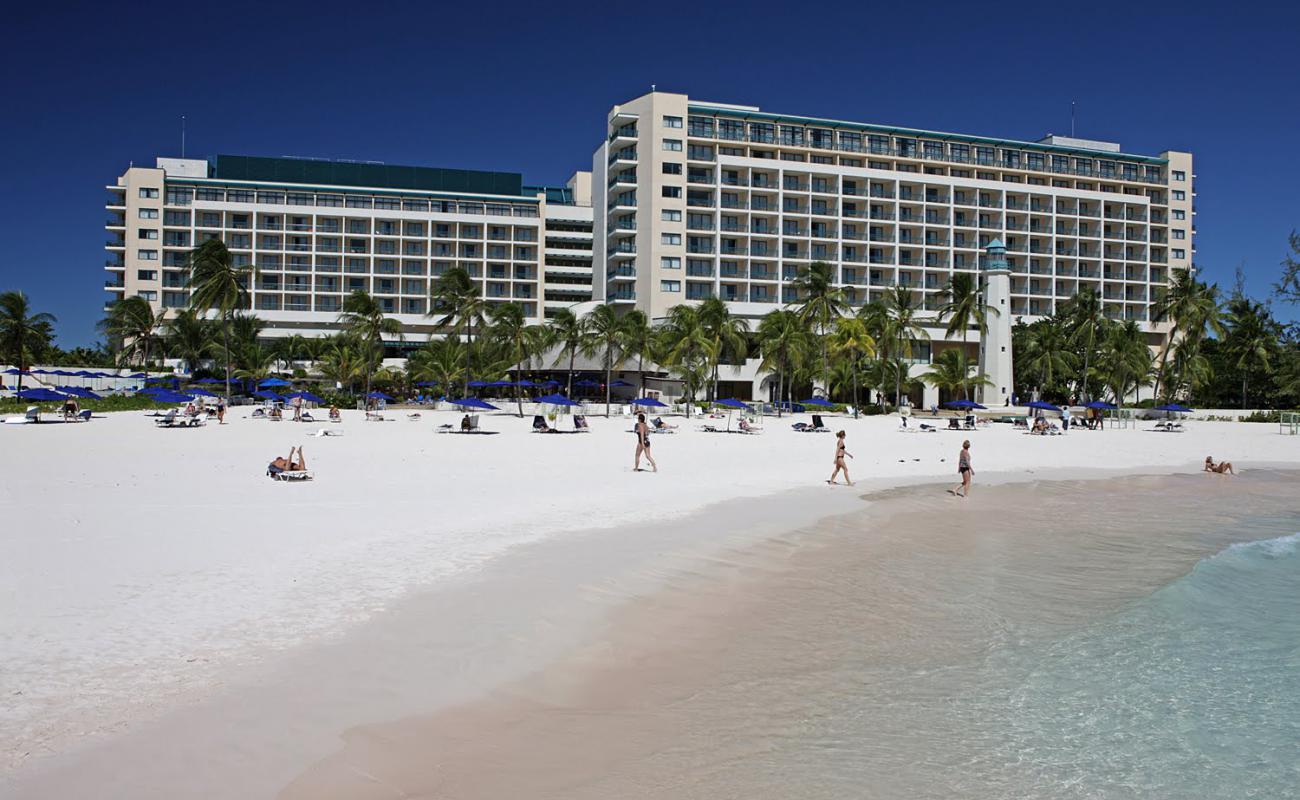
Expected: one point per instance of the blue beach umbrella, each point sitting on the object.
(265, 395)
(41, 395)
(164, 396)
(474, 402)
(556, 400)
(524, 384)
(619, 382)
(14, 371)
(1102, 404)
(82, 393)
(817, 401)
(965, 404)
(731, 403)
(305, 396)
(200, 392)
(586, 384)
(649, 402)
(477, 384)
(1043, 406)
(378, 395)
(1173, 407)
(272, 383)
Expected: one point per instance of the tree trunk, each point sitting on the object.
(640, 371)
(225, 342)
(609, 366)
(469, 365)
(855, 389)
(569, 391)
(1243, 392)
(780, 391)
(519, 397)
(21, 358)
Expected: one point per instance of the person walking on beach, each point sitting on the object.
(642, 431)
(221, 411)
(297, 409)
(964, 469)
(840, 465)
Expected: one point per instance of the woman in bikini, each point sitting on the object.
(642, 431)
(1223, 467)
(840, 465)
(964, 469)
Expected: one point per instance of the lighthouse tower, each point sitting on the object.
(995, 355)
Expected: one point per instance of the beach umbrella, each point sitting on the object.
(1102, 405)
(267, 395)
(305, 396)
(731, 404)
(200, 392)
(83, 393)
(1173, 407)
(14, 371)
(550, 382)
(965, 404)
(524, 384)
(649, 402)
(498, 384)
(1042, 406)
(41, 395)
(474, 402)
(165, 396)
(427, 383)
(586, 384)
(272, 383)
(556, 400)
(817, 401)
(378, 395)
(477, 384)
(619, 382)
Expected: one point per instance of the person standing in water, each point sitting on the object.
(964, 469)
(840, 465)
(642, 431)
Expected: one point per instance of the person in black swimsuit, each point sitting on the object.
(642, 431)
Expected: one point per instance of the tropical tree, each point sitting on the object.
(820, 302)
(607, 336)
(518, 340)
(363, 319)
(342, 361)
(290, 349)
(23, 332)
(132, 322)
(1250, 340)
(1087, 324)
(254, 362)
(895, 322)
(439, 360)
(852, 341)
(963, 308)
(783, 342)
(1044, 355)
(687, 349)
(639, 340)
(1192, 310)
(571, 333)
(215, 283)
(189, 338)
(727, 334)
(1125, 361)
(951, 372)
(458, 301)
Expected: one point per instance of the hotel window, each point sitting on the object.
(1180, 214)
(147, 233)
(762, 132)
(1179, 175)
(216, 195)
(907, 148)
(239, 196)
(146, 274)
(147, 255)
(670, 286)
(1179, 194)
(1180, 253)
(983, 155)
(179, 197)
(148, 213)
(671, 191)
(148, 294)
(670, 262)
(792, 135)
(671, 216)
(932, 150)
(878, 144)
(1179, 234)
(672, 122)
(959, 152)
(673, 145)
(672, 169)
(670, 238)
(149, 194)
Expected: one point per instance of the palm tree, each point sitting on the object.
(820, 303)
(459, 301)
(1125, 361)
(363, 318)
(726, 332)
(518, 340)
(1250, 341)
(963, 307)
(189, 338)
(687, 348)
(215, 283)
(289, 349)
(951, 372)
(607, 337)
(132, 322)
(782, 343)
(1087, 322)
(639, 340)
(571, 333)
(255, 362)
(852, 340)
(1045, 355)
(440, 361)
(341, 361)
(22, 332)
(1192, 308)
(899, 327)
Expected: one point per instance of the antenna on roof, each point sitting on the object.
(1071, 119)
(652, 87)
(182, 136)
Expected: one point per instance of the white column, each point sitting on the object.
(995, 357)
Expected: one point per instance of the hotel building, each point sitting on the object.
(700, 199)
(318, 230)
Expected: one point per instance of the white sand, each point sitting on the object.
(142, 568)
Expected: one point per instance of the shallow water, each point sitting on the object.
(1106, 639)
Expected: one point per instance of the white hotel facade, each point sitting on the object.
(686, 200)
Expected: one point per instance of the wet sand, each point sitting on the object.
(880, 653)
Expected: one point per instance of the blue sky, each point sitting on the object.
(89, 88)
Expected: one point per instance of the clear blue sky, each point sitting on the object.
(88, 88)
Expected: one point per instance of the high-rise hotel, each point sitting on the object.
(318, 230)
(686, 200)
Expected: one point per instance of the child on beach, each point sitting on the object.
(964, 469)
(840, 465)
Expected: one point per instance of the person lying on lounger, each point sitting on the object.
(1222, 467)
(287, 463)
(334, 413)
(660, 425)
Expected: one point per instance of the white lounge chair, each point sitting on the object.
(166, 420)
(31, 417)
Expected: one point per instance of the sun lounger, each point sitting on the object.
(327, 432)
(166, 420)
(580, 424)
(413, 416)
(374, 416)
(1165, 426)
(817, 426)
(306, 417)
(30, 417)
(289, 475)
(84, 415)
(473, 428)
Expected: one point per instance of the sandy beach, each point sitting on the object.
(168, 607)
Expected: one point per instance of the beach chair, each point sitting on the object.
(306, 416)
(414, 416)
(540, 426)
(83, 415)
(30, 417)
(374, 416)
(289, 475)
(167, 420)
(259, 413)
(746, 428)
(817, 425)
(580, 423)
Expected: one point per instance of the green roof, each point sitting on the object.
(378, 176)
(957, 137)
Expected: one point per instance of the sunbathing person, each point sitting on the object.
(660, 425)
(1221, 468)
(465, 424)
(287, 463)
(334, 413)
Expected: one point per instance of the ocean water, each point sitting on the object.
(1096, 640)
